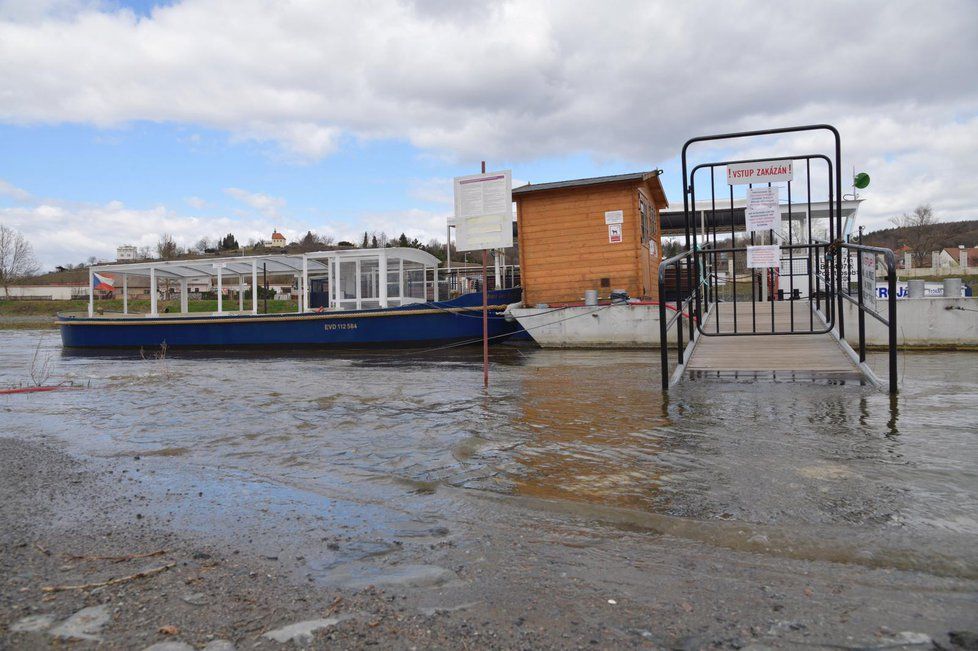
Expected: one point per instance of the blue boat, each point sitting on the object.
(342, 303)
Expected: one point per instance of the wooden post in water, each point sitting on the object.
(485, 315)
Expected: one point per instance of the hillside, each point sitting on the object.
(948, 235)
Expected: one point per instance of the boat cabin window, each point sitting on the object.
(364, 279)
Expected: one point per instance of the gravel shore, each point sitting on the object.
(98, 553)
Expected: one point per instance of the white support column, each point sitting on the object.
(220, 289)
(499, 273)
(304, 300)
(91, 292)
(125, 293)
(153, 305)
(907, 260)
(335, 285)
(434, 276)
(184, 296)
(240, 293)
(400, 278)
(382, 272)
(254, 287)
(298, 298)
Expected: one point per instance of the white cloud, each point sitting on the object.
(520, 80)
(263, 203)
(195, 202)
(63, 232)
(12, 191)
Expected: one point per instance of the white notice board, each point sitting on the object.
(763, 211)
(868, 281)
(764, 257)
(484, 211)
(614, 217)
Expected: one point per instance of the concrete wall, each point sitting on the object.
(54, 292)
(921, 322)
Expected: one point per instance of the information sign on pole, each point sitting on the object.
(764, 257)
(484, 211)
(868, 280)
(763, 212)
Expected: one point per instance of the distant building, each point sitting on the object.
(278, 240)
(126, 252)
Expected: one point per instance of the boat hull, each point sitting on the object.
(425, 324)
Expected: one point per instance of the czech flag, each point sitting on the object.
(103, 282)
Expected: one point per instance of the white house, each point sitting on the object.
(278, 241)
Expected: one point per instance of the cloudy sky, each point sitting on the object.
(120, 121)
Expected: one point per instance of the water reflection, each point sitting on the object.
(590, 435)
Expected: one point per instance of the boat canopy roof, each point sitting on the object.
(273, 263)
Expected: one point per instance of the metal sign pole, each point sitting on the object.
(485, 315)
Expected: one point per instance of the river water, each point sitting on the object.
(809, 470)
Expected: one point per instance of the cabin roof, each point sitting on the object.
(634, 177)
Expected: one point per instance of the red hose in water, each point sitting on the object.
(33, 389)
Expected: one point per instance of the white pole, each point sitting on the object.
(91, 292)
(304, 301)
(434, 274)
(382, 273)
(184, 297)
(240, 293)
(153, 307)
(125, 293)
(220, 290)
(400, 279)
(499, 273)
(254, 287)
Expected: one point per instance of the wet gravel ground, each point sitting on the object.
(533, 577)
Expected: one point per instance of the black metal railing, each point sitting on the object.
(890, 320)
(690, 282)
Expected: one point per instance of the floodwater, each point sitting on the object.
(803, 470)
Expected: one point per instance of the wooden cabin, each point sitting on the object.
(600, 233)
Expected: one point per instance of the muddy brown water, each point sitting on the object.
(805, 470)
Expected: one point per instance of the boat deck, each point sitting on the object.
(809, 355)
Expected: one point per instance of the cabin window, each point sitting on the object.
(647, 216)
(414, 280)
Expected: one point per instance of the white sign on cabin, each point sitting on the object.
(763, 212)
(484, 211)
(771, 171)
(614, 233)
(764, 256)
(614, 217)
(868, 280)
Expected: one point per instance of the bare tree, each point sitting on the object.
(145, 253)
(202, 245)
(166, 248)
(326, 240)
(919, 232)
(16, 258)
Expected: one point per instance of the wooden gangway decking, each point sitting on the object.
(810, 355)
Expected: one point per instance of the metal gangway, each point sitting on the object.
(770, 302)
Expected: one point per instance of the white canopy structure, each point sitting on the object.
(349, 279)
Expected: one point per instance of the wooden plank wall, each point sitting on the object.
(564, 248)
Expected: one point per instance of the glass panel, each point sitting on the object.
(369, 304)
(414, 280)
(369, 278)
(393, 279)
(348, 279)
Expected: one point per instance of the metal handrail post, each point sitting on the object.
(891, 283)
(862, 315)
